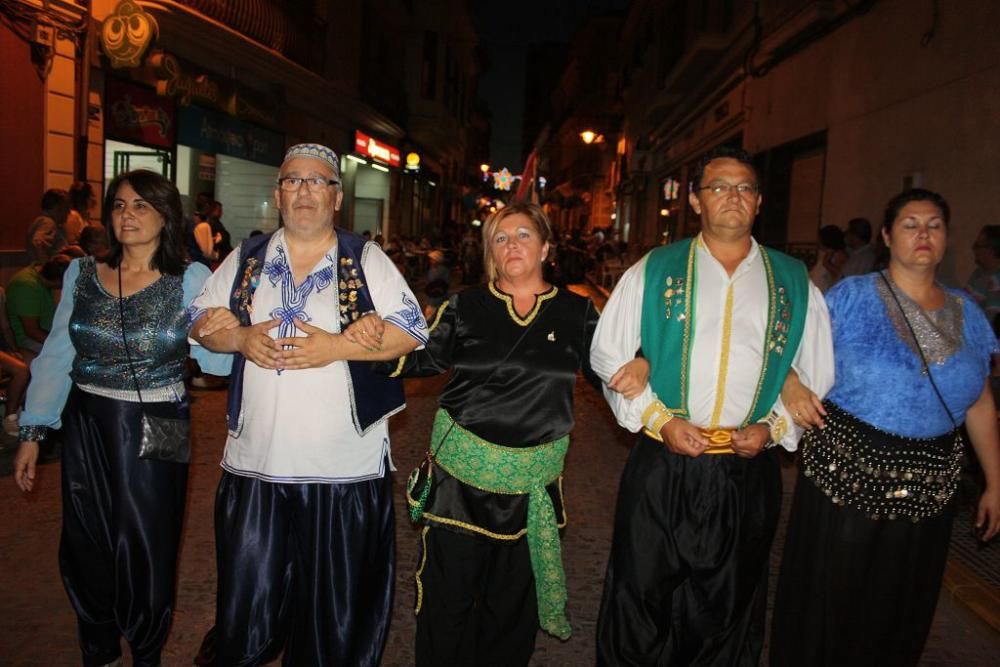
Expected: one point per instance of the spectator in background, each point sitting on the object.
(200, 238)
(438, 282)
(94, 241)
(12, 364)
(984, 283)
(31, 303)
(220, 235)
(830, 258)
(47, 234)
(82, 202)
(470, 252)
(861, 255)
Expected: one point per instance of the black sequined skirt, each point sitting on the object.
(883, 475)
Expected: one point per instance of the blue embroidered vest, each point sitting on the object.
(373, 397)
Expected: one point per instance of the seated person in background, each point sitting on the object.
(94, 241)
(47, 234)
(31, 303)
(82, 202)
(13, 365)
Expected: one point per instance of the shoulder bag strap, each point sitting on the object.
(128, 356)
(920, 351)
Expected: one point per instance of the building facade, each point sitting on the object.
(842, 105)
(211, 93)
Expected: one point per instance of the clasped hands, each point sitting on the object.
(684, 438)
(313, 350)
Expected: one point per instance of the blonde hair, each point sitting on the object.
(533, 212)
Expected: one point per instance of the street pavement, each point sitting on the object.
(37, 625)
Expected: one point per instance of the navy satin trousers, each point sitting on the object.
(304, 568)
(121, 529)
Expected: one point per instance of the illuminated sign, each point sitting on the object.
(137, 115)
(126, 34)
(375, 149)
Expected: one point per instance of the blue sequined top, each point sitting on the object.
(879, 375)
(85, 344)
(156, 325)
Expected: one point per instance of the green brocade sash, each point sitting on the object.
(515, 471)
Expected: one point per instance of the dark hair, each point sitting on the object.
(80, 194)
(53, 198)
(832, 237)
(897, 203)
(860, 227)
(92, 238)
(992, 235)
(720, 153)
(171, 255)
(534, 213)
(55, 267)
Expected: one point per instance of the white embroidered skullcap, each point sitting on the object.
(315, 151)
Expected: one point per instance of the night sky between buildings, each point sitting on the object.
(505, 31)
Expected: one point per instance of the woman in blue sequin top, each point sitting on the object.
(870, 522)
(121, 514)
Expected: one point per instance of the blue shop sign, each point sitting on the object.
(215, 132)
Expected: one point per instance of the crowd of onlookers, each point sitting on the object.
(61, 232)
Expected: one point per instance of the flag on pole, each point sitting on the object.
(526, 189)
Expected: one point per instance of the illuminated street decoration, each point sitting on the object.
(671, 189)
(502, 179)
(127, 33)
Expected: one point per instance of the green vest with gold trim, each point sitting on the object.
(668, 312)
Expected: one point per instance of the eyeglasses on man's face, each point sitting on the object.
(313, 184)
(724, 189)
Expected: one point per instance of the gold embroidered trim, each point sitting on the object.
(509, 300)
(438, 315)
(727, 333)
(420, 570)
(688, 323)
(437, 320)
(772, 312)
(489, 533)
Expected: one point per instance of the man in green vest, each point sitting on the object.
(721, 321)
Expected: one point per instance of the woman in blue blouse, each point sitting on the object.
(121, 514)
(872, 514)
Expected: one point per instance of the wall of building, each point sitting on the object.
(916, 103)
(22, 129)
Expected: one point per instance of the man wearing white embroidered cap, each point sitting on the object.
(303, 518)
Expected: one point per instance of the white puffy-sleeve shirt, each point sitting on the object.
(297, 424)
(727, 349)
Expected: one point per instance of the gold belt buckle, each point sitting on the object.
(720, 440)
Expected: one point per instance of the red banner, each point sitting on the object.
(376, 149)
(138, 115)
